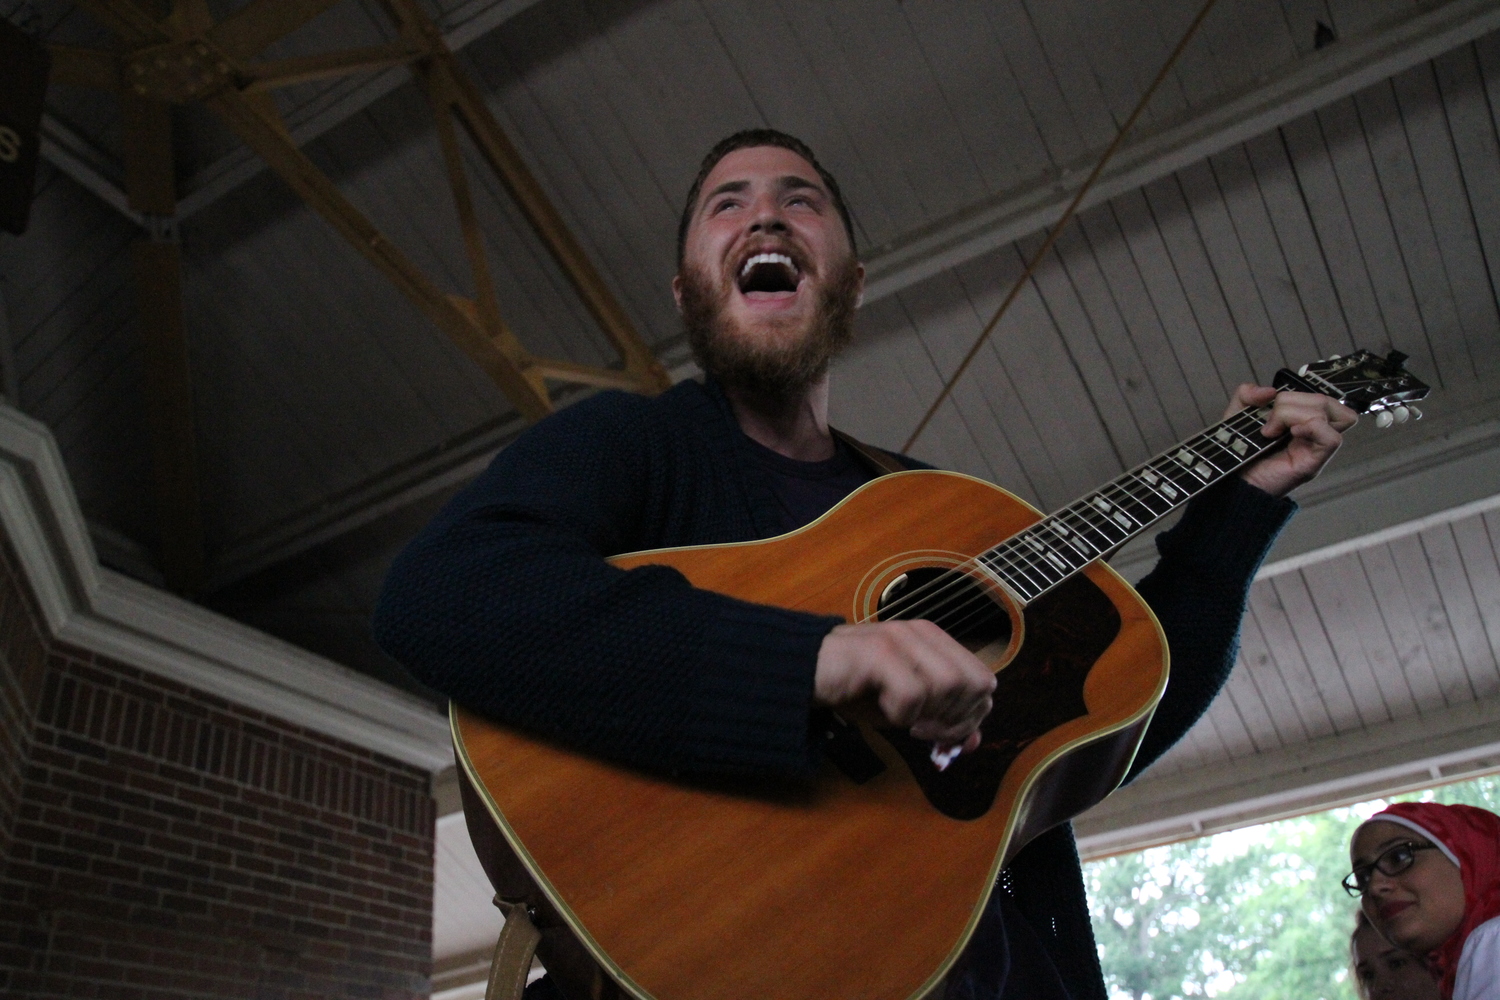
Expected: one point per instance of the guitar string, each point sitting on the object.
(975, 601)
(930, 593)
(1207, 447)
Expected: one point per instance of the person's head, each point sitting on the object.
(1427, 875)
(1381, 971)
(767, 278)
(1412, 890)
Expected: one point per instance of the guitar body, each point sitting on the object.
(867, 880)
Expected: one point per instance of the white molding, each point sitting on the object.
(1309, 83)
(76, 157)
(1404, 755)
(110, 614)
(1382, 537)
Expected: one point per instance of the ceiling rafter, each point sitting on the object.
(187, 57)
(156, 260)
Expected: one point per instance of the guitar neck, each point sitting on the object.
(1035, 560)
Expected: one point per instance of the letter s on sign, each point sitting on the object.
(10, 145)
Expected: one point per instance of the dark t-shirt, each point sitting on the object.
(805, 490)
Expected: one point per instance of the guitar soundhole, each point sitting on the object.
(955, 601)
(1066, 631)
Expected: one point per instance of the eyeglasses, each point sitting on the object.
(1391, 861)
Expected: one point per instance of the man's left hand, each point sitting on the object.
(1316, 424)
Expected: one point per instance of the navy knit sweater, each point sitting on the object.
(505, 604)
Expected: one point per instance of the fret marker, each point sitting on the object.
(1102, 504)
(1124, 521)
(1150, 477)
(1203, 470)
(1060, 528)
(1239, 446)
(1169, 490)
(1036, 545)
(1056, 561)
(1222, 434)
(1186, 457)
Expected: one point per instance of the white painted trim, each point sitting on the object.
(1393, 757)
(1382, 537)
(110, 614)
(76, 157)
(1309, 83)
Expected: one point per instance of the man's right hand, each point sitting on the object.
(921, 678)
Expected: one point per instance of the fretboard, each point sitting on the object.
(1034, 561)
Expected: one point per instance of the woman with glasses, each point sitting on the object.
(1428, 878)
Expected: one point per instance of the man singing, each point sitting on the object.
(505, 602)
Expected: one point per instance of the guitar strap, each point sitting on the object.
(512, 962)
(518, 939)
(878, 460)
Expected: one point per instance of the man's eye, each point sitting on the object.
(1401, 855)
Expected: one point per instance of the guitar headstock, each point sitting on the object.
(1364, 382)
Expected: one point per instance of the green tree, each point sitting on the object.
(1255, 914)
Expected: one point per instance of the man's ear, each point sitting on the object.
(677, 291)
(859, 296)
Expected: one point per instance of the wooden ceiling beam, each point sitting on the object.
(183, 56)
(251, 120)
(444, 76)
(250, 29)
(285, 72)
(157, 265)
(462, 25)
(486, 305)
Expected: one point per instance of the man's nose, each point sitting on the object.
(767, 217)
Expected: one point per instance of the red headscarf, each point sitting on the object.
(1471, 837)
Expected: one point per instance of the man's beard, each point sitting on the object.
(776, 367)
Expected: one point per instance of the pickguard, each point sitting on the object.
(1067, 630)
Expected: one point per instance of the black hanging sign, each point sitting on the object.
(24, 63)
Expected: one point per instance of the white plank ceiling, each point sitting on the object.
(1277, 204)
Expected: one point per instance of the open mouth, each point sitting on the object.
(768, 272)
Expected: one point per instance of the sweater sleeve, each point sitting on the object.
(505, 603)
(1198, 592)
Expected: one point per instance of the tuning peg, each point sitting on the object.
(1402, 414)
(1416, 414)
(1383, 419)
(1302, 370)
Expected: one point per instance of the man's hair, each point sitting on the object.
(747, 139)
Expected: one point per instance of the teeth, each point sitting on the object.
(768, 258)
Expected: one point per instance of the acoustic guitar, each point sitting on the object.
(866, 881)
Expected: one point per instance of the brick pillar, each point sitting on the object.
(157, 841)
